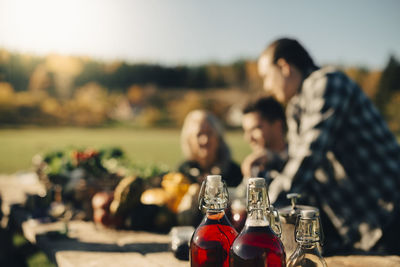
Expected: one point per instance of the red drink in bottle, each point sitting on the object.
(257, 244)
(212, 240)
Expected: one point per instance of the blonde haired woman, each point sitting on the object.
(205, 149)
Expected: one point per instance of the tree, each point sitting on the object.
(39, 80)
(389, 83)
(65, 70)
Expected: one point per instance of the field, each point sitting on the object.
(152, 146)
(155, 146)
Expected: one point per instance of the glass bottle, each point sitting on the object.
(308, 234)
(288, 216)
(274, 220)
(212, 239)
(257, 244)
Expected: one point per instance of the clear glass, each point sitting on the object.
(308, 227)
(257, 244)
(307, 255)
(274, 221)
(308, 234)
(213, 194)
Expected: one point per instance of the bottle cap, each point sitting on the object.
(308, 214)
(308, 228)
(214, 180)
(213, 193)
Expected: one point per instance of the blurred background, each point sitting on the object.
(125, 73)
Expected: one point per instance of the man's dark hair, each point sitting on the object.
(293, 52)
(269, 109)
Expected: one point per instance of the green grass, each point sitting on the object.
(18, 146)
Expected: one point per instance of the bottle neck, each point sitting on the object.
(257, 203)
(309, 245)
(211, 213)
(215, 216)
(257, 217)
(213, 195)
(308, 232)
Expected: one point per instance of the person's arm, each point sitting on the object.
(327, 101)
(255, 162)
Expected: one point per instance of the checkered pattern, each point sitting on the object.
(332, 123)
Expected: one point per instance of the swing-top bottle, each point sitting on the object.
(308, 234)
(212, 239)
(257, 244)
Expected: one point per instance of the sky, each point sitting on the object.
(174, 32)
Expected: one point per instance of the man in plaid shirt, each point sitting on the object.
(333, 126)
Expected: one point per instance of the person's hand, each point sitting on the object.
(254, 163)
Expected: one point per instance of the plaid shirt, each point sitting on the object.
(341, 149)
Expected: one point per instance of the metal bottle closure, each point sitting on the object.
(213, 193)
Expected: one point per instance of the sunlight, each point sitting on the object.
(53, 26)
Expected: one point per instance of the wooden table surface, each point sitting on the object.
(87, 244)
